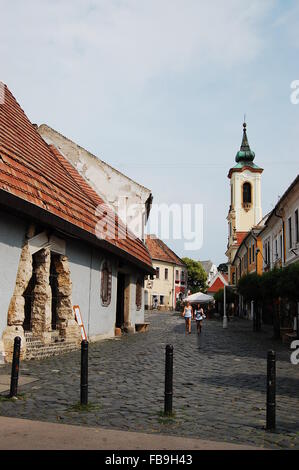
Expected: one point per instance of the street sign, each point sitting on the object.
(79, 320)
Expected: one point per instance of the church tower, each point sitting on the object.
(245, 209)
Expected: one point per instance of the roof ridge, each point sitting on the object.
(94, 156)
(52, 189)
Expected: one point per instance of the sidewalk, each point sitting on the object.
(22, 434)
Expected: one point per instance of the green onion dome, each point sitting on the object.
(245, 153)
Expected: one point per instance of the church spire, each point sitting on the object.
(245, 153)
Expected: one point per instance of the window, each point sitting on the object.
(166, 274)
(250, 259)
(161, 299)
(276, 248)
(297, 226)
(253, 253)
(246, 193)
(267, 252)
(280, 243)
(290, 233)
(139, 285)
(177, 277)
(106, 281)
(157, 273)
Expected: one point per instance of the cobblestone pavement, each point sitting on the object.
(219, 384)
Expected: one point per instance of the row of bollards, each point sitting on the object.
(168, 395)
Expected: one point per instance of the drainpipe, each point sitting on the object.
(283, 235)
(247, 257)
(173, 289)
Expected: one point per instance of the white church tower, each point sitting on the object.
(245, 206)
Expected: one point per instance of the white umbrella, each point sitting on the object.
(199, 298)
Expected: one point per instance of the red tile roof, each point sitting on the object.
(240, 237)
(37, 173)
(217, 284)
(159, 251)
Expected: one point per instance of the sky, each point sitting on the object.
(159, 89)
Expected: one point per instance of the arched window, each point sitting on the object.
(247, 193)
(106, 281)
(139, 285)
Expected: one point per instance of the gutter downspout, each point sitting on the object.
(283, 236)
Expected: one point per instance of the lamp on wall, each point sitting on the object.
(257, 251)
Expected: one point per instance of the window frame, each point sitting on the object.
(106, 296)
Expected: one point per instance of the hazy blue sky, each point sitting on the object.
(158, 89)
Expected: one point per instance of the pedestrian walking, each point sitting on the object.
(199, 316)
(188, 314)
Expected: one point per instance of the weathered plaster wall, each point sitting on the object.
(109, 183)
(85, 266)
(84, 263)
(12, 236)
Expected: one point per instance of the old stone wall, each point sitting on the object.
(15, 314)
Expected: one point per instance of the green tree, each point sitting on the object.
(197, 277)
(223, 268)
(250, 287)
(229, 296)
(288, 282)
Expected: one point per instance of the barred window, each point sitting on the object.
(139, 285)
(106, 281)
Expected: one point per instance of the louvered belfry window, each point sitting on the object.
(106, 281)
(246, 193)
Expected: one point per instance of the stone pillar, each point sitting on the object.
(16, 312)
(128, 328)
(41, 315)
(67, 325)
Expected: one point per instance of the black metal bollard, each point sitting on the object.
(15, 368)
(271, 391)
(168, 380)
(84, 373)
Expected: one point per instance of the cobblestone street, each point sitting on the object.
(219, 384)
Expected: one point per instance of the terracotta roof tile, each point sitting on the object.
(240, 237)
(35, 172)
(161, 252)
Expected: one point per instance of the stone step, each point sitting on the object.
(40, 350)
